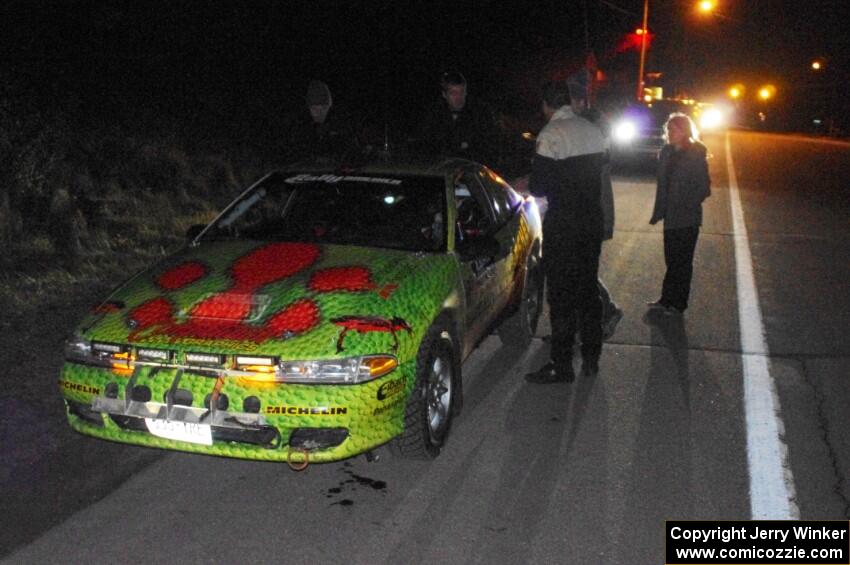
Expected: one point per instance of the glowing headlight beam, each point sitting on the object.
(711, 118)
(624, 131)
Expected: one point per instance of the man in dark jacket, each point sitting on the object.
(567, 170)
(611, 313)
(321, 132)
(456, 128)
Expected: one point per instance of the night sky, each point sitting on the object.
(248, 62)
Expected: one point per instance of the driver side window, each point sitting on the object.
(473, 210)
(505, 200)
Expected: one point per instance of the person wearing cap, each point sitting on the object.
(455, 127)
(321, 133)
(567, 171)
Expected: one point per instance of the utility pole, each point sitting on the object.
(644, 33)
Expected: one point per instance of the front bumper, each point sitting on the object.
(225, 417)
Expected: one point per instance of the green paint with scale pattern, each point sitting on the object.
(209, 299)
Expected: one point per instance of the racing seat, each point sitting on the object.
(469, 218)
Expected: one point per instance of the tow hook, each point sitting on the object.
(298, 466)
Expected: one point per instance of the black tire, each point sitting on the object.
(435, 398)
(517, 330)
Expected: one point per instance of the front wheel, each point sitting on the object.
(429, 410)
(518, 330)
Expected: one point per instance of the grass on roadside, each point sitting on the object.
(87, 210)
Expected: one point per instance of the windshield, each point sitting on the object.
(399, 212)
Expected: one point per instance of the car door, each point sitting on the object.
(476, 250)
(487, 226)
(508, 228)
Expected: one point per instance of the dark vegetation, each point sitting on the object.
(82, 200)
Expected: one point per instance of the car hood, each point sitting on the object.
(286, 299)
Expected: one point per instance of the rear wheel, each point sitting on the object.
(518, 330)
(434, 399)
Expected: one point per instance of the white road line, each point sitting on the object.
(772, 493)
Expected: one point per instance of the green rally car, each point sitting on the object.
(323, 313)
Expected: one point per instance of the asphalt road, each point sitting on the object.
(581, 473)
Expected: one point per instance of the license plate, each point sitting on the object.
(180, 431)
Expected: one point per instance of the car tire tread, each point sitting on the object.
(415, 440)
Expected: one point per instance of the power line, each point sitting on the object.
(619, 9)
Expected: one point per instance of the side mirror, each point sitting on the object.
(194, 231)
(477, 247)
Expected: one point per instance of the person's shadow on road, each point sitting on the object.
(661, 476)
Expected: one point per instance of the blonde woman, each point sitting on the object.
(683, 184)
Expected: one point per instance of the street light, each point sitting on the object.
(817, 65)
(767, 92)
(706, 6)
(736, 91)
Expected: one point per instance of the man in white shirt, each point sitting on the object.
(567, 170)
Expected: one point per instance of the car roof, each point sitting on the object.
(666, 107)
(385, 165)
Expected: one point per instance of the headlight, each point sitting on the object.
(78, 348)
(624, 131)
(351, 370)
(250, 369)
(101, 354)
(711, 119)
